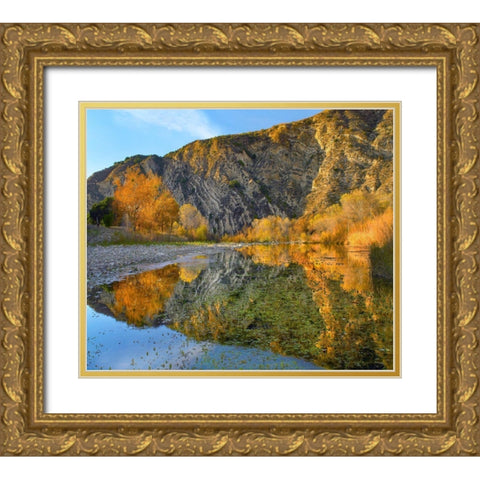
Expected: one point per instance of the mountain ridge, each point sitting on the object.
(288, 170)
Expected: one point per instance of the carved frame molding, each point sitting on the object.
(26, 50)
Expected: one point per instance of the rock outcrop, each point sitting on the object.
(288, 170)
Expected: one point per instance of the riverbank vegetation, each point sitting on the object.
(145, 210)
(360, 219)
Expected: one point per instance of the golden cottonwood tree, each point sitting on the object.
(148, 204)
(193, 222)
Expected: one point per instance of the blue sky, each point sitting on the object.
(113, 134)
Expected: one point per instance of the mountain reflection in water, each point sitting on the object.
(321, 306)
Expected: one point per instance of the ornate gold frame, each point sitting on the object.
(27, 49)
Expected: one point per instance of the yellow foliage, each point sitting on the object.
(201, 233)
(188, 273)
(374, 232)
(139, 298)
(360, 219)
(268, 229)
(192, 223)
(271, 255)
(146, 203)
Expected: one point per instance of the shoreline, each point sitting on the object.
(107, 264)
(110, 263)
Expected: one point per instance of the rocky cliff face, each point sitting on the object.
(287, 170)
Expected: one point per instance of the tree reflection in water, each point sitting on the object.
(139, 299)
(322, 305)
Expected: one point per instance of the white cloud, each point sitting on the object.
(193, 122)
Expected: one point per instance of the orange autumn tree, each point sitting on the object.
(145, 201)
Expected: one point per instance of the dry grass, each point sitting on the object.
(361, 219)
(374, 232)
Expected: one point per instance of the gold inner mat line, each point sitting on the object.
(84, 106)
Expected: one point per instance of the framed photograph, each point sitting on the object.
(260, 252)
(239, 239)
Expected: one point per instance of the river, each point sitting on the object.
(258, 307)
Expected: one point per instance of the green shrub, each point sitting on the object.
(101, 212)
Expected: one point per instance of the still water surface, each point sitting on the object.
(262, 307)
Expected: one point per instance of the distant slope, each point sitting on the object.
(287, 170)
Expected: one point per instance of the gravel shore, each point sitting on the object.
(106, 264)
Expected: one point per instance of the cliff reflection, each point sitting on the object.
(306, 301)
(356, 309)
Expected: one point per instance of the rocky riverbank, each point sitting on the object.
(105, 264)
